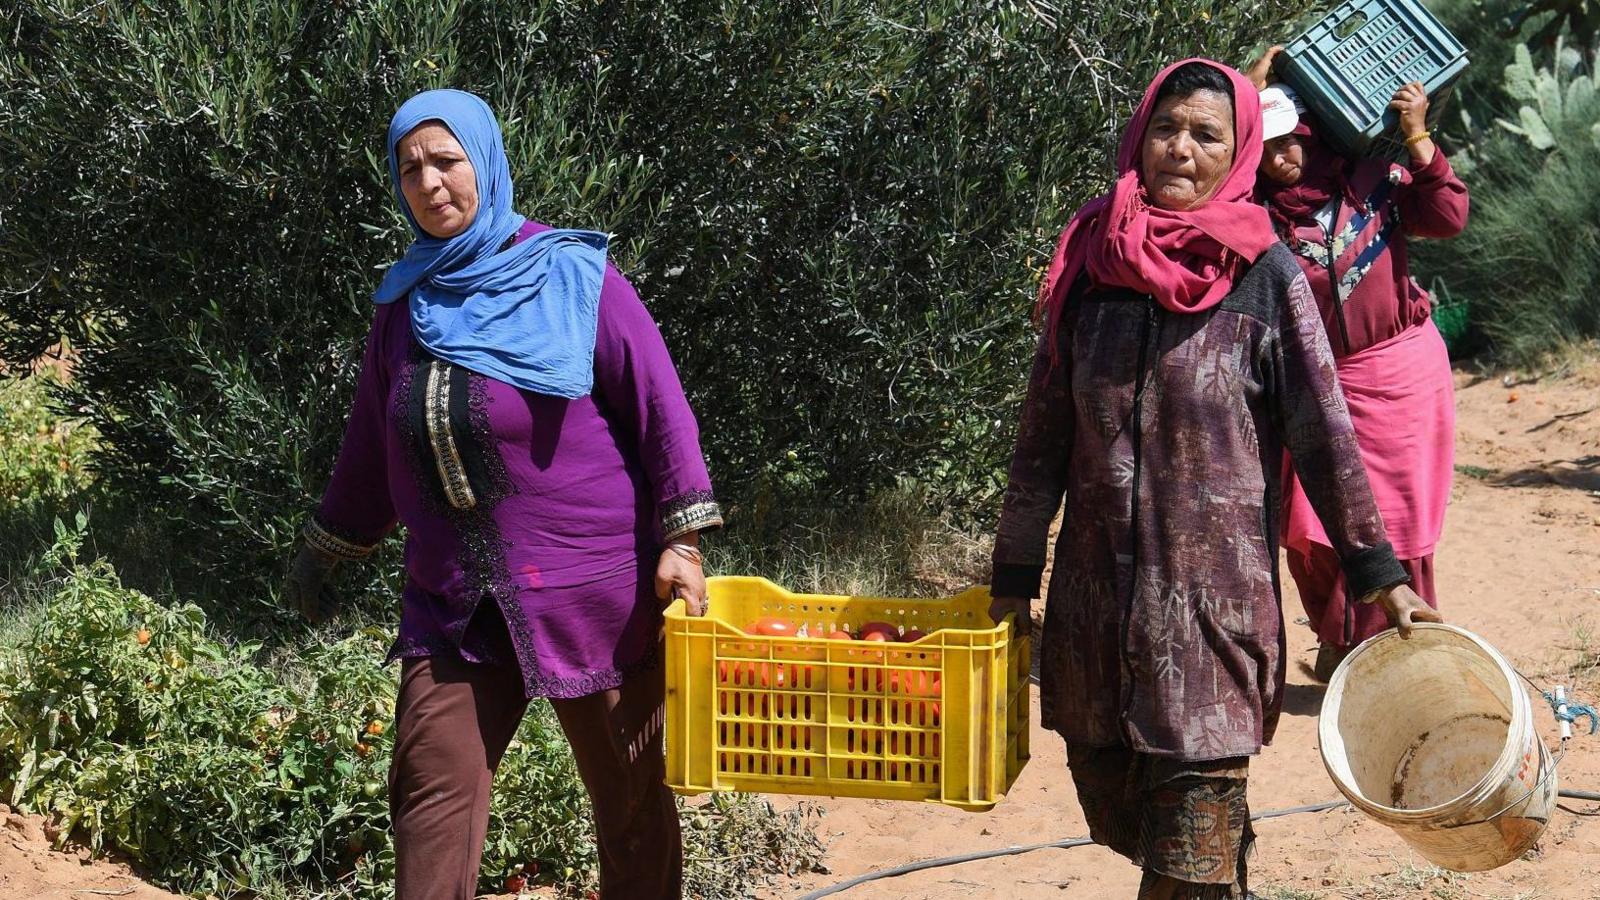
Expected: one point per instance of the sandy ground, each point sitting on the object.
(1520, 565)
(30, 869)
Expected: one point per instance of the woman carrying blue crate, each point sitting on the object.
(1347, 221)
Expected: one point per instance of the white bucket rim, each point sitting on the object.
(1327, 727)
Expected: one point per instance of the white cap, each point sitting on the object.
(1280, 111)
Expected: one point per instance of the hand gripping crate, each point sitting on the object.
(941, 720)
(1347, 67)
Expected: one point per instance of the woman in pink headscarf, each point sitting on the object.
(1347, 222)
(1182, 353)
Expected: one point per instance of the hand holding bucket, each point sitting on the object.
(1434, 737)
(1404, 609)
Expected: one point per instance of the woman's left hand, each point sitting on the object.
(679, 574)
(1404, 608)
(1411, 102)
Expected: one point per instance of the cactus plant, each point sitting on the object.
(1558, 102)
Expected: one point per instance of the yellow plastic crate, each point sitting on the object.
(941, 720)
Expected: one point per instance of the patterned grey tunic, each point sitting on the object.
(1165, 433)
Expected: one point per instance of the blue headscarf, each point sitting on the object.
(526, 316)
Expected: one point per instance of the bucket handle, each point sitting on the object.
(1566, 713)
(1544, 776)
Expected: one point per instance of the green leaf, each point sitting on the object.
(1521, 79)
(1580, 102)
(24, 777)
(1533, 125)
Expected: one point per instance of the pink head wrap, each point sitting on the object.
(1187, 260)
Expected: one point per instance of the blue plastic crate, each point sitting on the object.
(1347, 67)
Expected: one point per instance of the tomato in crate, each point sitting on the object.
(826, 712)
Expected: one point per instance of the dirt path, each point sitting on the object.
(30, 869)
(1520, 564)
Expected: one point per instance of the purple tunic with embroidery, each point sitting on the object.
(554, 510)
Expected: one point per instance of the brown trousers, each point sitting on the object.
(453, 722)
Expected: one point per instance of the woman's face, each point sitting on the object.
(1188, 149)
(1283, 160)
(437, 179)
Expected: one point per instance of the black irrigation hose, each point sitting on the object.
(908, 868)
(1581, 795)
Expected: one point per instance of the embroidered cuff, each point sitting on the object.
(694, 511)
(1015, 580)
(1373, 570)
(334, 543)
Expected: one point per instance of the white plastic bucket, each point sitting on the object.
(1434, 737)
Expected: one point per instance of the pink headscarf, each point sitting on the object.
(1187, 260)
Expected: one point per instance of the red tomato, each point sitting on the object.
(915, 681)
(749, 674)
(912, 634)
(772, 626)
(879, 631)
(515, 884)
(839, 634)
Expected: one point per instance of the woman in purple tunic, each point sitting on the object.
(518, 412)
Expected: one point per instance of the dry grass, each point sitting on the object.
(889, 546)
(1287, 893)
(1410, 881)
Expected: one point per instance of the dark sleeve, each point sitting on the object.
(1038, 475)
(1314, 424)
(1434, 204)
(637, 381)
(356, 510)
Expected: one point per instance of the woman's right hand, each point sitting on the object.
(306, 590)
(1405, 609)
(1022, 606)
(1261, 70)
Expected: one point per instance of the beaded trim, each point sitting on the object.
(323, 538)
(441, 645)
(446, 453)
(692, 511)
(482, 547)
(593, 681)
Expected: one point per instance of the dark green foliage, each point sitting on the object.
(1578, 19)
(838, 211)
(1529, 150)
(1477, 24)
(1530, 258)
